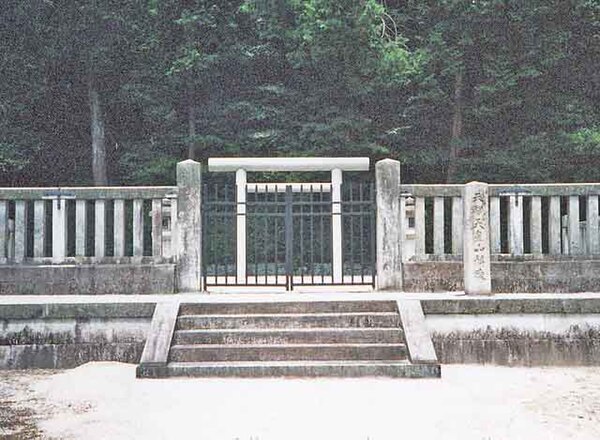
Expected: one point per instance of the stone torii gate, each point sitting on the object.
(336, 166)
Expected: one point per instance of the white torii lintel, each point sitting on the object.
(231, 164)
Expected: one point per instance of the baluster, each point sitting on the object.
(438, 225)
(138, 228)
(554, 233)
(535, 225)
(515, 228)
(20, 230)
(59, 230)
(593, 241)
(457, 226)
(156, 227)
(3, 231)
(174, 231)
(100, 229)
(39, 228)
(574, 235)
(119, 227)
(80, 227)
(403, 225)
(419, 225)
(495, 242)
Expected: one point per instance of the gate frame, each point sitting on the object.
(335, 165)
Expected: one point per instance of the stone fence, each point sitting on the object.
(476, 237)
(536, 237)
(536, 219)
(61, 225)
(94, 240)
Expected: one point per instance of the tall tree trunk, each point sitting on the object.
(191, 131)
(457, 127)
(98, 137)
(191, 110)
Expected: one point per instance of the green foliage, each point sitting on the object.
(302, 77)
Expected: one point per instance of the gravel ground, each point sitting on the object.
(105, 401)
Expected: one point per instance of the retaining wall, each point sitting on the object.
(504, 331)
(68, 335)
(525, 332)
(521, 276)
(87, 279)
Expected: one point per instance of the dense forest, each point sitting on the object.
(106, 91)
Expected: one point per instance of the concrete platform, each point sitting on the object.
(506, 329)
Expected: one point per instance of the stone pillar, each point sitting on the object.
(189, 226)
(476, 239)
(389, 225)
(336, 225)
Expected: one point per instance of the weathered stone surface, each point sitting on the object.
(290, 369)
(69, 331)
(189, 226)
(428, 276)
(158, 342)
(253, 164)
(416, 333)
(290, 336)
(346, 320)
(89, 279)
(252, 308)
(480, 306)
(508, 346)
(91, 192)
(76, 310)
(389, 225)
(66, 355)
(286, 352)
(517, 276)
(296, 339)
(66, 335)
(476, 239)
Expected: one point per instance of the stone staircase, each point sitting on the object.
(274, 339)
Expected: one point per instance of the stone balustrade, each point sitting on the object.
(527, 219)
(62, 225)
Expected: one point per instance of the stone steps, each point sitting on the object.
(280, 339)
(338, 369)
(290, 320)
(271, 352)
(289, 336)
(261, 308)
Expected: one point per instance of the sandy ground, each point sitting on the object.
(105, 401)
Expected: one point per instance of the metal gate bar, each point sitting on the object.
(281, 230)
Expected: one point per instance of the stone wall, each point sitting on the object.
(524, 332)
(520, 276)
(87, 279)
(68, 335)
(510, 330)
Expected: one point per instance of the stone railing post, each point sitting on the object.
(389, 225)
(189, 226)
(476, 239)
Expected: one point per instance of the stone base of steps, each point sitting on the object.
(303, 369)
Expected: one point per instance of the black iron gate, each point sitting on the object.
(289, 235)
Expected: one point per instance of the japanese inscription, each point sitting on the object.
(479, 237)
(476, 239)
